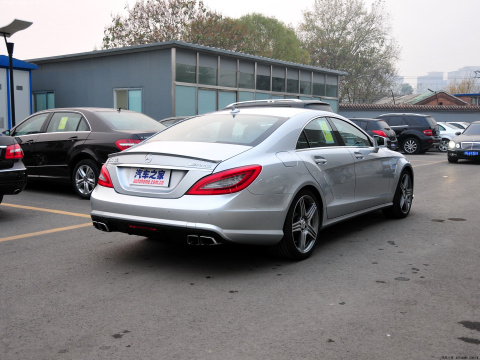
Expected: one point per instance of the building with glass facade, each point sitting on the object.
(175, 79)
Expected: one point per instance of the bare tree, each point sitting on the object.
(346, 35)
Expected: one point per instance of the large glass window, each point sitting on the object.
(332, 86)
(305, 82)
(263, 96)
(247, 75)
(186, 67)
(43, 100)
(207, 101)
(318, 84)
(128, 99)
(226, 98)
(207, 70)
(228, 73)
(185, 100)
(292, 81)
(246, 96)
(278, 79)
(263, 77)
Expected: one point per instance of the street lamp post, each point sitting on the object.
(7, 31)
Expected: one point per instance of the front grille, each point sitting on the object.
(470, 145)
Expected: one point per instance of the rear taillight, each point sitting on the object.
(123, 144)
(14, 152)
(104, 178)
(226, 182)
(380, 133)
(428, 132)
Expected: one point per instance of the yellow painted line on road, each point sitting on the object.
(47, 210)
(38, 233)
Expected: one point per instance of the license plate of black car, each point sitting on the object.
(471, 153)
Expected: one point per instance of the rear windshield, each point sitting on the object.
(431, 121)
(473, 129)
(126, 120)
(382, 125)
(240, 129)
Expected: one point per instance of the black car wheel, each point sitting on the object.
(300, 229)
(443, 146)
(402, 200)
(411, 146)
(85, 178)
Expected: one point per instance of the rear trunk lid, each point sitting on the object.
(166, 169)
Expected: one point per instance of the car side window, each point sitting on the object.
(64, 121)
(31, 126)
(317, 133)
(351, 135)
(83, 125)
(397, 121)
(441, 127)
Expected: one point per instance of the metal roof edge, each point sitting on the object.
(176, 44)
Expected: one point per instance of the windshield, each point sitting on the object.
(473, 129)
(129, 120)
(237, 129)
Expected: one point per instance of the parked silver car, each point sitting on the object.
(447, 133)
(266, 175)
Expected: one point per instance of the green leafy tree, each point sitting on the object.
(346, 35)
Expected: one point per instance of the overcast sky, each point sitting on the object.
(434, 35)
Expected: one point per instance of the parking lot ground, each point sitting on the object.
(375, 288)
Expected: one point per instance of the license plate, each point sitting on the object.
(471, 153)
(149, 177)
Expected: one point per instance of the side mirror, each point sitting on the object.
(458, 133)
(6, 132)
(379, 142)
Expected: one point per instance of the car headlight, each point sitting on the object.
(451, 144)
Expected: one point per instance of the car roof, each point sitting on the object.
(297, 103)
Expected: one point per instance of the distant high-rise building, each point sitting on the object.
(467, 72)
(433, 81)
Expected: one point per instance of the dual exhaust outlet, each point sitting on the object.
(100, 226)
(201, 240)
(194, 240)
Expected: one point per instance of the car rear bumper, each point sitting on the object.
(12, 181)
(245, 219)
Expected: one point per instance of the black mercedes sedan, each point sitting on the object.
(13, 174)
(71, 144)
(466, 145)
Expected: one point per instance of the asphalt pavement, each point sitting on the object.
(375, 288)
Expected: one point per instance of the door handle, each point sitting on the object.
(359, 156)
(320, 160)
(29, 142)
(73, 138)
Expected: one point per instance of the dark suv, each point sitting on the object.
(416, 133)
(378, 127)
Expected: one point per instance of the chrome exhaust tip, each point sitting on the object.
(196, 240)
(100, 226)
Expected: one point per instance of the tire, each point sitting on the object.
(402, 200)
(443, 146)
(85, 178)
(411, 146)
(452, 160)
(300, 228)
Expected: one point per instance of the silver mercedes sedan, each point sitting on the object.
(267, 175)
